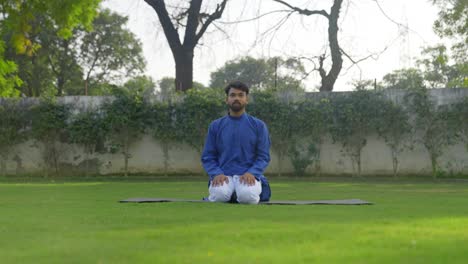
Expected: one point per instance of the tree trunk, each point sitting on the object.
(196, 25)
(318, 168)
(165, 147)
(184, 70)
(328, 80)
(125, 164)
(395, 163)
(434, 165)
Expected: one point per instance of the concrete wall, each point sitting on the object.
(148, 157)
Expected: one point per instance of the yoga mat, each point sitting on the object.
(273, 202)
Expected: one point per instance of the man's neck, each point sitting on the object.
(236, 114)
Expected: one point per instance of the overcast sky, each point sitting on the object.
(393, 33)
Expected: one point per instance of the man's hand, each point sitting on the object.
(247, 179)
(219, 180)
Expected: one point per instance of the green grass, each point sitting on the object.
(82, 222)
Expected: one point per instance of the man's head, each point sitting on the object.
(237, 96)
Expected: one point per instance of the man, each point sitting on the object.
(237, 151)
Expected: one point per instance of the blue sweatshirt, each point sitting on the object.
(236, 145)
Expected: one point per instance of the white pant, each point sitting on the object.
(245, 194)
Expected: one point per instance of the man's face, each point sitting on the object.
(236, 99)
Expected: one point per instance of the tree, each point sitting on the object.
(196, 22)
(141, 86)
(403, 79)
(8, 78)
(458, 123)
(453, 23)
(328, 79)
(62, 58)
(309, 125)
(438, 72)
(88, 130)
(167, 90)
(163, 127)
(33, 69)
(354, 119)
(49, 127)
(453, 19)
(431, 122)
(110, 51)
(12, 130)
(18, 17)
(195, 112)
(126, 118)
(394, 127)
(262, 74)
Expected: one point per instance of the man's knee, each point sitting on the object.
(220, 193)
(249, 194)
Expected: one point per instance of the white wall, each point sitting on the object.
(148, 158)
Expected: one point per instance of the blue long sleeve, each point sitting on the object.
(210, 155)
(262, 153)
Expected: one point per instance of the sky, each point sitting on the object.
(389, 33)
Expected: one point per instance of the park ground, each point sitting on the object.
(81, 221)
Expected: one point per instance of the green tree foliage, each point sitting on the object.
(19, 19)
(364, 85)
(194, 113)
(453, 19)
(141, 85)
(403, 79)
(9, 80)
(431, 122)
(49, 127)
(110, 51)
(309, 127)
(167, 91)
(163, 128)
(126, 116)
(438, 72)
(453, 23)
(13, 123)
(280, 119)
(393, 125)
(458, 120)
(88, 130)
(355, 117)
(274, 74)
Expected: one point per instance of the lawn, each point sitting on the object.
(82, 222)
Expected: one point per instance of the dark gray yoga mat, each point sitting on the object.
(335, 202)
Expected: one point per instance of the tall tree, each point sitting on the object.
(110, 50)
(453, 23)
(453, 19)
(328, 78)
(18, 16)
(438, 70)
(196, 22)
(411, 79)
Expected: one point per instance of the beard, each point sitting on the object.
(236, 107)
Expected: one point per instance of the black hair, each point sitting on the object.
(237, 85)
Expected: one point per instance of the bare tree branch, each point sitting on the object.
(215, 15)
(304, 11)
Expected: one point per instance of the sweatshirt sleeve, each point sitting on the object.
(209, 157)
(262, 152)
